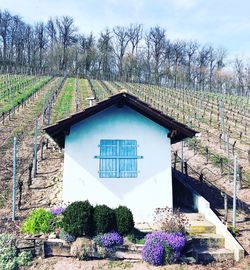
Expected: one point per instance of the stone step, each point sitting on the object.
(205, 255)
(144, 227)
(200, 227)
(128, 255)
(194, 216)
(133, 248)
(208, 240)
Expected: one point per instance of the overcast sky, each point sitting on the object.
(223, 23)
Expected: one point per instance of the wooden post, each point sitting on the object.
(30, 175)
(201, 179)
(42, 147)
(248, 153)
(228, 160)
(225, 207)
(234, 146)
(206, 155)
(182, 156)
(49, 111)
(175, 159)
(221, 166)
(186, 168)
(35, 149)
(20, 187)
(13, 100)
(14, 182)
(240, 176)
(235, 191)
(220, 139)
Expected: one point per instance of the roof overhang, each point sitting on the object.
(178, 131)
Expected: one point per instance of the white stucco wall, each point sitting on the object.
(153, 186)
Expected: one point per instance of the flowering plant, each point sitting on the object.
(109, 241)
(162, 247)
(57, 211)
(171, 220)
(66, 236)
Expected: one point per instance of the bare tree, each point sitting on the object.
(67, 37)
(157, 38)
(178, 54)
(239, 70)
(121, 40)
(191, 50)
(202, 60)
(105, 48)
(135, 36)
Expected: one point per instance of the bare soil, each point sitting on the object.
(73, 264)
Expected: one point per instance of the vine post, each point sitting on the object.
(235, 190)
(14, 181)
(35, 149)
(182, 156)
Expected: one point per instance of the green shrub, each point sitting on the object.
(124, 220)
(8, 254)
(39, 221)
(78, 219)
(24, 258)
(233, 230)
(104, 219)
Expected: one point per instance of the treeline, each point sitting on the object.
(126, 53)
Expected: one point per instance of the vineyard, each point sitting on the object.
(29, 103)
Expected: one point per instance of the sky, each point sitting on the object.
(222, 23)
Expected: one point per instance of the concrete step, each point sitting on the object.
(128, 255)
(208, 240)
(200, 227)
(144, 227)
(194, 216)
(205, 255)
(132, 248)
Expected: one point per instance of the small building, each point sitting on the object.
(118, 152)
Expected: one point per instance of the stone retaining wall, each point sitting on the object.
(34, 245)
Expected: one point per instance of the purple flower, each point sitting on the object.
(162, 246)
(109, 241)
(57, 211)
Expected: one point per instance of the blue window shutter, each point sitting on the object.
(128, 166)
(118, 159)
(108, 166)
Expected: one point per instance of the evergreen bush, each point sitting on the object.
(104, 219)
(124, 220)
(78, 219)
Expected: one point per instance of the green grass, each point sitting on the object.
(119, 264)
(63, 105)
(6, 104)
(137, 237)
(13, 85)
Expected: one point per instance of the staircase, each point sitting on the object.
(204, 244)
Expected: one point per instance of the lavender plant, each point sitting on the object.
(56, 211)
(109, 241)
(162, 247)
